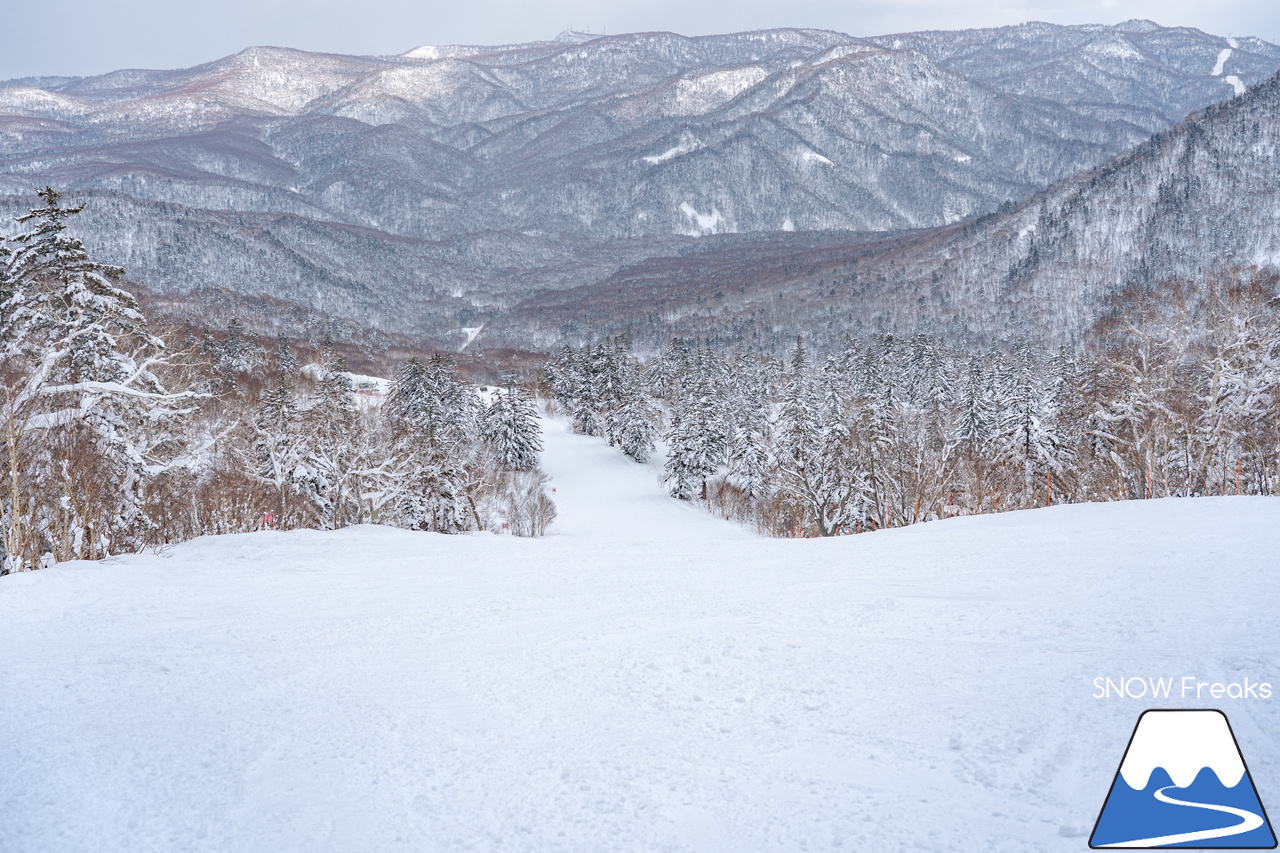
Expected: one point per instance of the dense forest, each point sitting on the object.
(116, 439)
(118, 435)
(1175, 392)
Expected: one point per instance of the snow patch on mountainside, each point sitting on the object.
(1223, 56)
(841, 51)
(471, 332)
(704, 223)
(686, 145)
(704, 92)
(1113, 47)
(29, 101)
(1236, 84)
(808, 155)
(430, 52)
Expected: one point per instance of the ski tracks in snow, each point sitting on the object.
(647, 678)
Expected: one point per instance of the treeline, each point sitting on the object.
(1175, 392)
(114, 441)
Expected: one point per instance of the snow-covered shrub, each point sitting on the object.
(109, 441)
(519, 499)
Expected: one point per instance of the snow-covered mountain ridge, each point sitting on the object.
(1195, 200)
(455, 179)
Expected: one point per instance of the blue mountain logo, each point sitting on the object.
(1183, 783)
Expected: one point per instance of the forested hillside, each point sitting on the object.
(1193, 201)
(427, 192)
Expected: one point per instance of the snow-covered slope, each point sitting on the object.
(648, 678)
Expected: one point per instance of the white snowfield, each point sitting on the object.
(1223, 56)
(648, 678)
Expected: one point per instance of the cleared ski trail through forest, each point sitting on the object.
(603, 496)
(647, 678)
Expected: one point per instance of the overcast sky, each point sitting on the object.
(79, 37)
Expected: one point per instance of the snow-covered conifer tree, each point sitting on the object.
(748, 456)
(433, 420)
(81, 391)
(324, 477)
(284, 355)
(974, 415)
(813, 454)
(698, 436)
(510, 426)
(279, 447)
(636, 423)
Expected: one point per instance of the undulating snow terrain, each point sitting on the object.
(647, 678)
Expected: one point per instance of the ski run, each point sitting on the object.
(647, 677)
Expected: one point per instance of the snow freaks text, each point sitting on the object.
(1186, 687)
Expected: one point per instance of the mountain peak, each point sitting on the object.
(572, 36)
(1138, 25)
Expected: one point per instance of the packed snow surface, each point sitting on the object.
(648, 678)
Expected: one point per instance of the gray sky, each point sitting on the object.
(80, 37)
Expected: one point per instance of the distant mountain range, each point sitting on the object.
(1201, 198)
(455, 187)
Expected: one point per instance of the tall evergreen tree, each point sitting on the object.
(510, 426)
(279, 447)
(82, 390)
